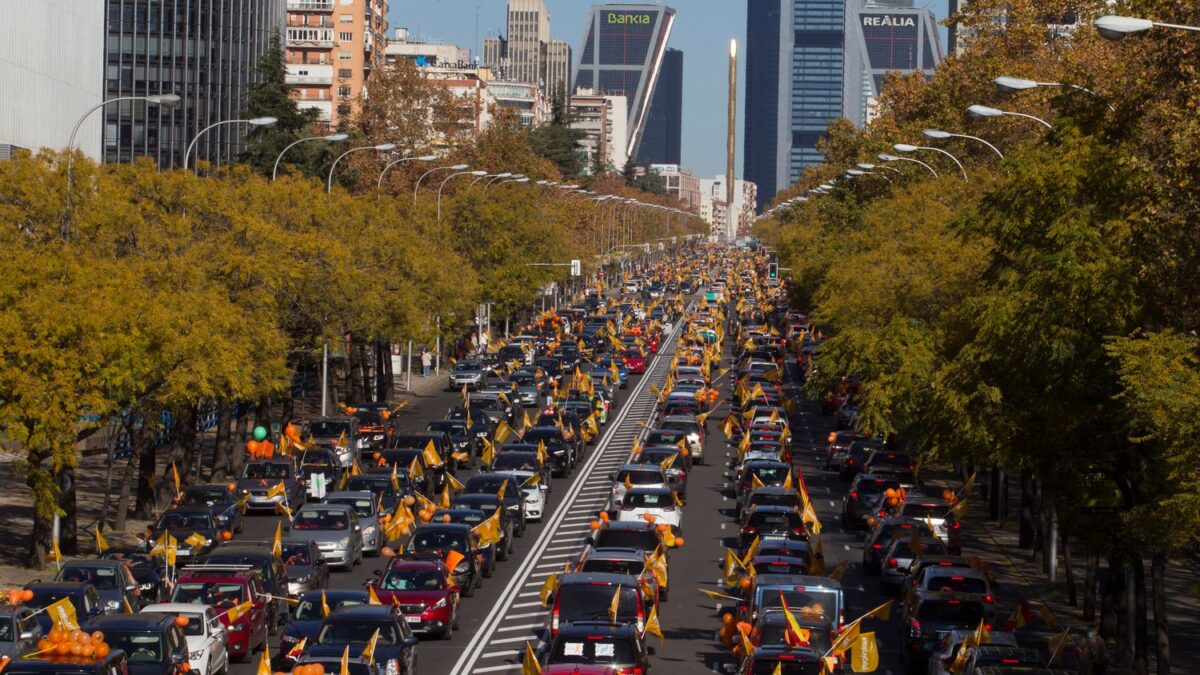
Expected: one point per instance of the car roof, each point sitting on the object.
(363, 612)
(638, 489)
(335, 593)
(597, 577)
(356, 494)
(639, 525)
(579, 628)
(617, 553)
(451, 527)
(322, 506)
(142, 621)
(98, 562)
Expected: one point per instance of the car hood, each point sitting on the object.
(325, 536)
(382, 652)
(303, 628)
(411, 597)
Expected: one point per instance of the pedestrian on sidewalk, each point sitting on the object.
(1094, 660)
(426, 362)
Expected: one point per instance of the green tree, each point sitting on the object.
(271, 96)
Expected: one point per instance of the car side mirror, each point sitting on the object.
(411, 641)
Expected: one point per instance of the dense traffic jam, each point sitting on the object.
(444, 504)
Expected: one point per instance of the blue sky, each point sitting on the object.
(702, 31)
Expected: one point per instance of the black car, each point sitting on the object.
(352, 627)
(795, 660)
(112, 579)
(514, 499)
(520, 457)
(626, 534)
(147, 571)
(223, 500)
(933, 615)
(856, 505)
(153, 642)
(181, 523)
(260, 476)
(564, 454)
(308, 616)
(463, 441)
(855, 456)
(619, 647)
(430, 480)
(441, 538)
(771, 521)
(378, 481)
(114, 663)
(83, 597)
(489, 504)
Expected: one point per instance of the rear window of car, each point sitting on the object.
(956, 584)
(648, 500)
(921, 510)
(904, 548)
(600, 565)
(775, 518)
(646, 540)
(590, 601)
(593, 650)
(890, 459)
(775, 499)
(767, 472)
(957, 612)
(640, 477)
(876, 486)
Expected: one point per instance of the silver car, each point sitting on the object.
(469, 373)
(367, 510)
(335, 529)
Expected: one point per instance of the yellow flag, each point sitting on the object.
(960, 658)
(669, 462)
(489, 530)
(525, 423)
(756, 482)
(530, 665)
(489, 453)
(614, 606)
(264, 661)
(444, 500)
(175, 474)
(368, 652)
(959, 509)
(751, 552)
(787, 483)
(283, 510)
(414, 469)
(355, 467)
(718, 596)
(55, 553)
(548, 588)
(968, 486)
(431, 456)
(503, 433)
(503, 487)
(747, 644)
(345, 669)
(324, 605)
(652, 625)
(195, 540)
(733, 568)
(62, 614)
(657, 564)
(234, 613)
(276, 490)
(277, 543)
(101, 544)
(395, 478)
(839, 571)
(373, 597)
(864, 654)
(982, 636)
(454, 484)
(847, 639)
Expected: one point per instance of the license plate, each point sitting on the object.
(412, 619)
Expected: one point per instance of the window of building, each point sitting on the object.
(345, 56)
(344, 91)
(346, 37)
(344, 73)
(346, 18)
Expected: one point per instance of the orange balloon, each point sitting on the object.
(182, 621)
(74, 648)
(387, 552)
(56, 635)
(727, 619)
(595, 524)
(678, 542)
(84, 638)
(75, 635)
(404, 530)
(97, 636)
(410, 500)
(44, 644)
(62, 648)
(26, 595)
(14, 596)
(226, 535)
(662, 528)
(744, 583)
(446, 518)
(604, 516)
(649, 518)
(87, 650)
(102, 650)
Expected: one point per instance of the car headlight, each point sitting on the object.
(462, 568)
(112, 605)
(343, 542)
(195, 654)
(368, 530)
(303, 580)
(439, 604)
(393, 667)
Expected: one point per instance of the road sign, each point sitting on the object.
(576, 268)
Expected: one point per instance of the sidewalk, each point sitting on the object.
(1019, 578)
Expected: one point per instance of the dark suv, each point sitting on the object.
(153, 642)
(352, 627)
(114, 663)
(619, 647)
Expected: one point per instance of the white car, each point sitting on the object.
(535, 496)
(630, 476)
(656, 501)
(207, 654)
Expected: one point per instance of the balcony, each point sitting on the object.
(309, 73)
(310, 5)
(310, 37)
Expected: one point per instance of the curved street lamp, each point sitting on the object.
(522, 179)
(939, 134)
(331, 138)
(254, 122)
(500, 177)
(417, 186)
(1112, 27)
(382, 147)
(905, 147)
(491, 176)
(447, 180)
(394, 162)
(871, 167)
(982, 111)
(893, 158)
(1011, 85)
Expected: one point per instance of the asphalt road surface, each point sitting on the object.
(506, 612)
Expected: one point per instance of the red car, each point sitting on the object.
(635, 361)
(419, 585)
(225, 587)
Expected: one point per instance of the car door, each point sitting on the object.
(218, 655)
(260, 618)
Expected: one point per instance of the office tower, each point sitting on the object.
(809, 62)
(664, 123)
(206, 52)
(557, 77)
(527, 54)
(47, 84)
(622, 54)
(332, 47)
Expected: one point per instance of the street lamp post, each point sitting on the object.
(1114, 28)
(522, 179)
(254, 122)
(893, 158)
(1014, 84)
(422, 158)
(382, 147)
(502, 178)
(417, 186)
(939, 134)
(168, 101)
(447, 180)
(987, 111)
(331, 138)
(871, 167)
(905, 147)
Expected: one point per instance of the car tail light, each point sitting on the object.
(851, 462)
(988, 598)
(554, 622)
(853, 496)
(893, 564)
(877, 547)
(987, 626)
(798, 531)
(914, 629)
(632, 670)
(750, 529)
(954, 526)
(957, 578)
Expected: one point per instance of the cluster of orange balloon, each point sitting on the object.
(16, 596)
(950, 497)
(306, 669)
(895, 496)
(263, 449)
(730, 627)
(77, 644)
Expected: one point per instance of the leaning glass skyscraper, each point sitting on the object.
(205, 51)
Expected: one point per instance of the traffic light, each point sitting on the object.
(772, 270)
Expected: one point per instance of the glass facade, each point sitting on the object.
(818, 57)
(205, 51)
(623, 50)
(760, 134)
(661, 141)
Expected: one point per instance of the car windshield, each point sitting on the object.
(195, 624)
(956, 584)
(453, 427)
(267, 470)
(778, 519)
(648, 500)
(43, 597)
(317, 458)
(593, 649)
(876, 486)
(103, 578)
(664, 437)
(138, 647)
(466, 366)
(414, 580)
(776, 499)
(813, 603)
(296, 554)
(328, 429)
(904, 549)
(637, 477)
(768, 472)
(774, 633)
(646, 539)
(437, 540)
(362, 506)
(310, 608)
(208, 593)
(176, 520)
(356, 632)
(321, 519)
(371, 484)
(200, 497)
(486, 484)
(630, 567)
(371, 418)
(955, 612)
(591, 602)
(515, 461)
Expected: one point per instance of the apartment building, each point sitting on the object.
(332, 48)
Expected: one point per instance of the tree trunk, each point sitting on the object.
(68, 526)
(1089, 583)
(145, 448)
(40, 483)
(1069, 570)
(1112, 603)
(1027, 531)
(221, 450)
(364, 374)
(1158, 591)
(381, 359)
(388, 381)
(237, 454)
(183, 454)
(134, 433)
(1141, 634)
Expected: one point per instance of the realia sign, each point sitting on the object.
(889, 20)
